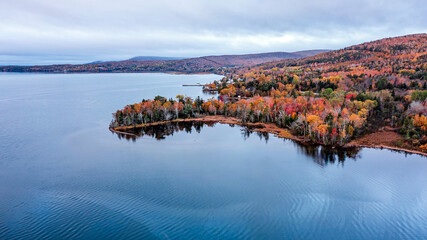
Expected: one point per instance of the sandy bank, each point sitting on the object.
(386, 138)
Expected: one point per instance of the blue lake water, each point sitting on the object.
(64, 175)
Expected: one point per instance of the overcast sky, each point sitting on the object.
(74, 31)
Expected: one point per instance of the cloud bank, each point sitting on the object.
(53, 31)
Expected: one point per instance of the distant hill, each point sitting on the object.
(153, 58)
(206, 64)
(96, 62)
(258, 58)
(309, 53)
(386, 49)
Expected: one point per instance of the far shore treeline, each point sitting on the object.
(330, 98)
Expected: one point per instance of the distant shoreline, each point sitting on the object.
(165, 72)
(268, 128)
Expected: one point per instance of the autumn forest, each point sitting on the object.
(331, 98)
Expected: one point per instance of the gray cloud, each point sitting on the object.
(86, 30)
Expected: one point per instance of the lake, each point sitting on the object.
(64, 175)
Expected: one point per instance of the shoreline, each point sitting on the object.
(165, 72)
(256, 127)
(268, 128)
(380, 146)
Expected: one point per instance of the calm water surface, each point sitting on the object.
(63, 175)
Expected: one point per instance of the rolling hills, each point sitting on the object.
(206, 64)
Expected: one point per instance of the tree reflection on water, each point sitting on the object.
(320, 154)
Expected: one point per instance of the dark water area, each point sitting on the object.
(320, 154)
(64, 175)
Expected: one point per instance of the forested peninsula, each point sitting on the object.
(372, 95)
